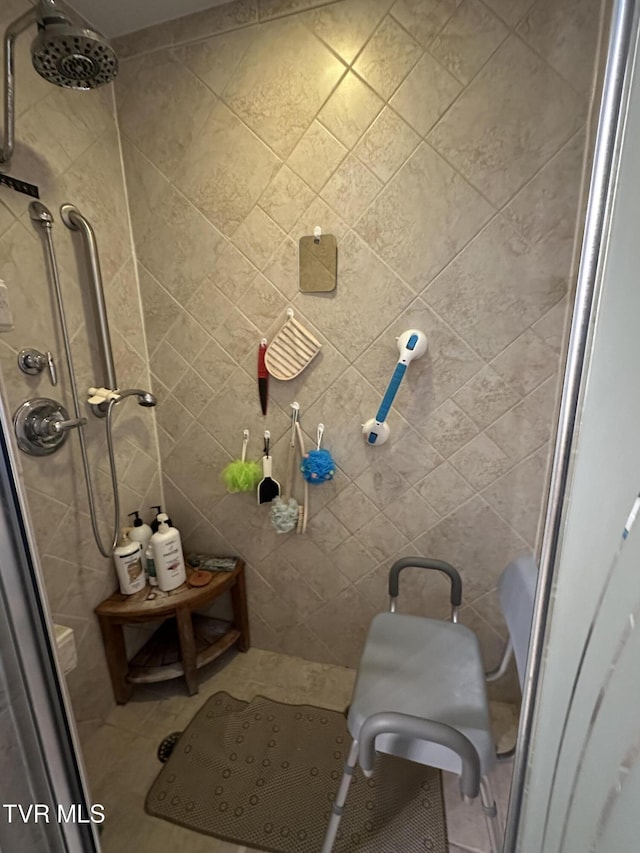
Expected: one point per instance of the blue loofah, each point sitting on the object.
(318, 466)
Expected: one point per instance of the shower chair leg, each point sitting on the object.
(338, 804)
(490, 815)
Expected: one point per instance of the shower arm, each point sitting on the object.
(13, 30)
(74, 220)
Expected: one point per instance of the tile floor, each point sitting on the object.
(121, 755)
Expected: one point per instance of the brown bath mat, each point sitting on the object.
(263, 775)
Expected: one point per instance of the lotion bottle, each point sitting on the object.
(140, 532)
(127, 558)
(151, 566)
(167, 555)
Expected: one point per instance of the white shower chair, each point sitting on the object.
(420, 690)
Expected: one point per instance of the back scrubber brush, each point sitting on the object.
(411, 345)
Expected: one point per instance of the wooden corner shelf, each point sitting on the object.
(184, 642)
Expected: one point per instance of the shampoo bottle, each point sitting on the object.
(167, 555)
(140, 532)
(156, 523)
(127, 558)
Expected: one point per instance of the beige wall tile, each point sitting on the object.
(286, 198)
(148, 89)
(186, 336)
(215, 60)
(511, 11)
(159, 307)
(411, 514)
(468, 39)
(497, 287)
(350, 110)
(552, 326)
(448, 428)
(168, 365)
(319, 213)
(410, 454)
(352, 559)
(258, 236)
(316, 156)
(528, 425)
(482, 553)
(388, 57)
(354, 508)
(426, 94)
(262, 303)
(195, 464)
(424, 18)
(480, 462)
(343, 624)
(526, 362)
(487, 396)
(275, 103)
(444, 489)
(548, 204)
(566, 35)
(518, 495)
(233, 272)
(347, 26)
(381, 538)
(164, 226)
(351, 189)
(535, 115)
(386, 145)
(425, 197)
(381, 483)
(226, 169)
(193, 392)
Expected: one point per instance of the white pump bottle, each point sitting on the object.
(167, 555)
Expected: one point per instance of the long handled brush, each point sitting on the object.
(268, 488)
(284, 510)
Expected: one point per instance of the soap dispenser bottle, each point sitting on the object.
(167, 555)
(155, 523)
(140, 532)
(127, 559)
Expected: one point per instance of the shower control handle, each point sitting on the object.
(33, 361)
(42, 426)
(56, 426)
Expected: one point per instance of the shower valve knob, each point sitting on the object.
(33, 361)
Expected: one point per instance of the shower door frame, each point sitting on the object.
(51, 750)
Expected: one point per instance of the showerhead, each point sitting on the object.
(145, 398)
(64, 52)
(68, 54)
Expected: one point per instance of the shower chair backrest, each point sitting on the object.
(517, 591)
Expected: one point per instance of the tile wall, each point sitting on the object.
(67, 143)
(441, 141)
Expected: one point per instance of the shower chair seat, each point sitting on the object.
(420, 690)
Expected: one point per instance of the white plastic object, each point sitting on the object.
(127, 559)
(317, 233)
(6, 317)
(292, 349)
(167, 555)
(412, 344)
(66, 645)
(101, 395)
(319, 434)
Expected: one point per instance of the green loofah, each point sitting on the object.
(241, 476)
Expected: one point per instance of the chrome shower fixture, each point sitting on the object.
(145, 398)
(65, 52)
